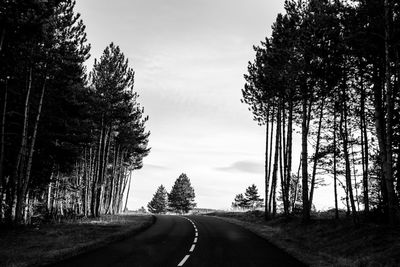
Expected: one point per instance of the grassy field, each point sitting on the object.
(30, 246)
(326, 242)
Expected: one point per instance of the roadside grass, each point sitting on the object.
(48, 243)
(324, 241)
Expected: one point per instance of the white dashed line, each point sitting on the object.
(184, 260)
(196, 234)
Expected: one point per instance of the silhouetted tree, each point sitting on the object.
(181, 197)
(252, 197)
(331, 67)
(240, 202)
(159, 202)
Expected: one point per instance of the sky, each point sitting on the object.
(189, 58)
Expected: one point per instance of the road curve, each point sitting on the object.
(187, 241)
(224, 244)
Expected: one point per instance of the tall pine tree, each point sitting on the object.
(181, 197)
(159, 202)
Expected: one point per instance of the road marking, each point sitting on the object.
(184, 260)
(196, 234)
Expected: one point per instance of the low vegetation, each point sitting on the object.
(46, 243)
(325, 241)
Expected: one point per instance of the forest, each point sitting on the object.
(70, 138)
(330, 74)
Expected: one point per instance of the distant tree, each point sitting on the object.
(240, 202)
(159, 202)
(249, 200)
(252, 198)
(181, 198)
(142, 210)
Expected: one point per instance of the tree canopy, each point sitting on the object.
(159, 202)
(328, 71)
(68, 144)
(250, 200)
(181, 197)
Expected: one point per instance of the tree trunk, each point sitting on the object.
(282, 169)
(304, 157)
(2, 37)
(355, 177)
(127, 193)
(296, 186)
(119, 182)
(312, 186)
(112, 178)
(97, 167)
(344, 134)
(90, 183)
(2, 145)
(25, 180)
(364, 145)
(335, 162)
(380, 132)
(104, 181)
(388, 164)
(16, 201)
(84, 181)
(289, 151)
(276, 157)
(99, 183)
(266, 214)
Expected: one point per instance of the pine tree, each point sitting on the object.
(252, 198)
(240, 202)
(112, 81)
(159, 202)
(181, 197)
(43, 47)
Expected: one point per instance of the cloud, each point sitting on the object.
(154, 167)
(243, 166)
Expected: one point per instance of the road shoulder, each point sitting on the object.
(48, 244)
(279, 240)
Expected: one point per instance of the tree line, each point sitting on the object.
(179, 200)
(330, 72)
(70, 139)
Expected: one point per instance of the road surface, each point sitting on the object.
(187, 241)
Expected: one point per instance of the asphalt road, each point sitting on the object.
(190, 241)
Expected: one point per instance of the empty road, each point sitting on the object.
(187, 241)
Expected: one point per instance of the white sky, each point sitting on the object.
(189, 57)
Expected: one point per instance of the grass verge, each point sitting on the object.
(325, 242)
(48, 243)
